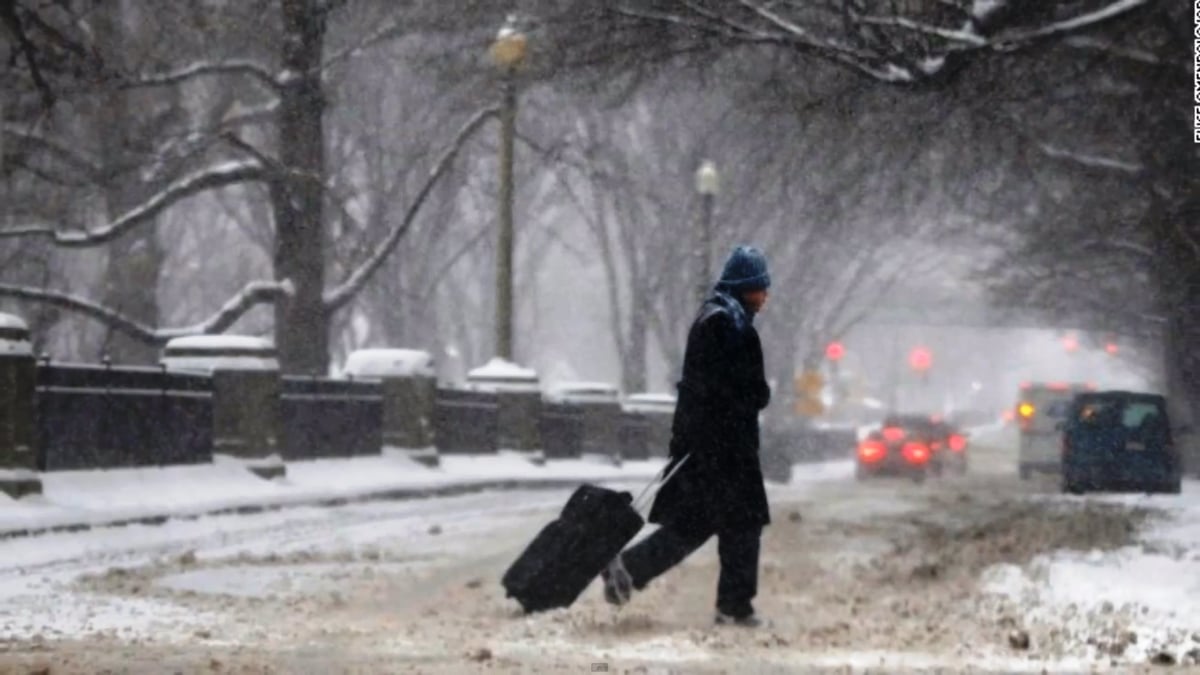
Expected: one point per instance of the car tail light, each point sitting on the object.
(1025, 413)
(871, 451)
(893, 434)
(916, 453)
(958, 442)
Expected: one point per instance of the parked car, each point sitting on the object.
(1119, 441)
(903, 446)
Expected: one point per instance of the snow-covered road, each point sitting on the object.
(886, 575)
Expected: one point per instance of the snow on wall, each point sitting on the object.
(601, 392)
(502, 375)
(11, 321)
(14, 346)
(389, 362)
(219, 342)
(195, 361)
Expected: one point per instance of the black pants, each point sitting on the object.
(738, 551)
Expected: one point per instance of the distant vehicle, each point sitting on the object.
(1119, 440)
(1041, 407)
(903, 446)
(949, 446)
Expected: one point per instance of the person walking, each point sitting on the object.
(719, 489)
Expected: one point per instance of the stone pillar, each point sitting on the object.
(18, 380)
(518, 413)
(635, 436)
(519, 405)
(246, 419)
(408, 417)
(246, 396)
(602, 430)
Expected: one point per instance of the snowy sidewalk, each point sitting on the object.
(1137, 604)
(79, 499)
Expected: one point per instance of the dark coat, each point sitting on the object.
(716, 420)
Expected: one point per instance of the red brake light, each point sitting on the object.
(871, 451)
(893, 434)
(958, 442)
(915, 453)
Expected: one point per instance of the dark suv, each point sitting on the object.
(1119, 440)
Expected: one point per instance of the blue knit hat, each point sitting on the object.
(745, 270)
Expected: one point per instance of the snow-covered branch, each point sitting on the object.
(777, 24)
(388, 31)
(950, 34)
(1073, 24)
(1122, 245)
(208, 179)
(248, 68)
(1091, 161)
(254, 293)
(339, 296)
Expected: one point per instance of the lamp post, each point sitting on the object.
(707, 184)
(508, 53)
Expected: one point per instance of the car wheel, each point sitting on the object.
(859, 473)
(919, 477)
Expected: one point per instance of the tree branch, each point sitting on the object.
(209, 179)
(339, 296)
(253, 293)
(246, 68)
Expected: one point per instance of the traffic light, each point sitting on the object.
(809, 385)
(921, 359)
(1070, 343)
(834, 351)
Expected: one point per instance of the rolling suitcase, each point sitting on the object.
(570, 552)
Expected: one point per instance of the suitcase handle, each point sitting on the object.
(641, 501)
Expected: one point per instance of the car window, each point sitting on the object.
(1100, 413)
(1137, 414)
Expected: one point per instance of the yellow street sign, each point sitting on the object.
(810, 384)
(809, 407)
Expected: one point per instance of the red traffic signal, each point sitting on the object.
(834, 351)
(1070, 343)
(920, 359)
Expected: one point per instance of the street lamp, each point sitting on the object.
(508, 53)
(707, 184)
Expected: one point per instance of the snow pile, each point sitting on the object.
(1137, 603)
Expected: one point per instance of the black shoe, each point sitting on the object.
(618, 585)
(751, 620)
